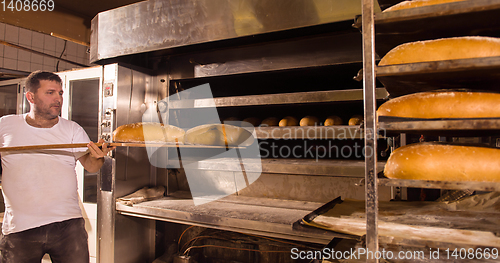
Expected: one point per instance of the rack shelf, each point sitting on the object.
(310, 132)
(478, 186)
(260, 216)
(274, 99)
(350, 168)
(474, 73)
(465, 18)
(465, 127)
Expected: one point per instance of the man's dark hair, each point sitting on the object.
(33, 80)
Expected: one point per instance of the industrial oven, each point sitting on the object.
(260, 59)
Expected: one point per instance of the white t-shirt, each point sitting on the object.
(39, 186)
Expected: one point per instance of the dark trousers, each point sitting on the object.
(65, 242)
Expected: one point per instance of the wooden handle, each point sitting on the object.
(116, 144)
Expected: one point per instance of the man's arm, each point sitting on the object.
(94, 160)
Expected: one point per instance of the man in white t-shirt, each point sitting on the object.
(42, 212)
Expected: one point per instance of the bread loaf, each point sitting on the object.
(442, 49)
(443, 104)
(309, 121)
(271, 121)
(356, 120)
(253, 121)
(144, 132)
(289, 121)
(418, 3)
(219, 135)
(444, 162)
(333, 120)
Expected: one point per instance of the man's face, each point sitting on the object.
(47, 100)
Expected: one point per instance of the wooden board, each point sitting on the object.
(426, 221)
(116, 144)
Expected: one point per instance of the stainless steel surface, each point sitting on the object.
(478, 186)
(370, 123)
(473, 73)
(273, 99)
(464, 18)
(106, 226)
(261, 216)
(350, 168)
(463, 127)
(342, 132)
(436, 10)
(158, 25)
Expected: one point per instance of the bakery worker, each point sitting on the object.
(42, 212)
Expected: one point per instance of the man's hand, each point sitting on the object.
(94, 160)
(97, 152)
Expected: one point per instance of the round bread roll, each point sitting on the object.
(442, 49)
(444, 162)
(289, 121)
(144, 132)
(333, 120)
(443, 104)
(418, 3)
(271, 121)
(231, 119)
(309, 121)
(219, 135)
(356, 120)
(253, 121)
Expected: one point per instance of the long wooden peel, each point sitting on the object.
(116, 144)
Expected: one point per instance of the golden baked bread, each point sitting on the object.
(219, 135)
(253, 120)
(444, 162)
(356, 120)
(271, 121)
(288, 121)
(443, 104)
(333, 120)
(442, 49)
(144, 132)
(418, 3)
(309, 121)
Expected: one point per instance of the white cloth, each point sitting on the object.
(39, 186)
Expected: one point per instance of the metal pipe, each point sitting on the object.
(371, 189)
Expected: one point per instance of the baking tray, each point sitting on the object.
(473, 73)
(466, 18)
(444, 127)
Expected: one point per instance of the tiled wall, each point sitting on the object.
(16, 59)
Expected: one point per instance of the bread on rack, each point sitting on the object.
(356, 120)
(270, 121)
(148, 132)
(443, 104)
(442, 49)
(254, 121)
(309, 121)
(418, 3)
(333, 120)
(219, 135)
(444, 162)
(288, 121)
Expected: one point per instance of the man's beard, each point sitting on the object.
(49, 112)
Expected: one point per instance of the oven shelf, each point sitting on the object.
(466, 18)
(276, 99)
(251, 215)
(349, 168)
(477, 186)
(344, 132)
(472, 73)
(465, 127)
